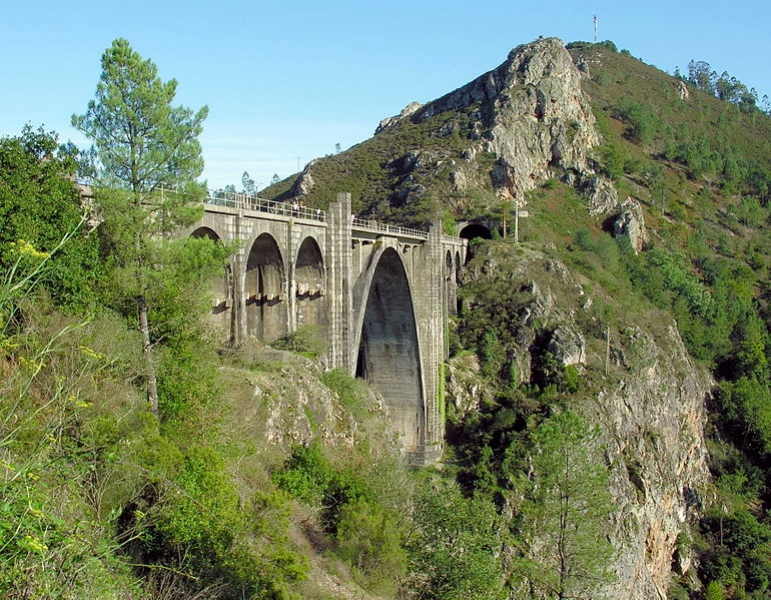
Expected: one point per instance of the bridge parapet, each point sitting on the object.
(365, 226)
(257, 204)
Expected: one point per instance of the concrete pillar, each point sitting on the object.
(291, 281)
(427, 283)
(238, 324)
(340, 305)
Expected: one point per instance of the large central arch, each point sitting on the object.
(388, 352)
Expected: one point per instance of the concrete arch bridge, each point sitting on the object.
(379, 294)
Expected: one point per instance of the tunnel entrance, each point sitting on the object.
(388, 355)
(473, 231)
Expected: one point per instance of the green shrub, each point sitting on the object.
(583, 239)
(612, 161)
(307, 475)
(714, 591)
(307, 340)
(369, 539)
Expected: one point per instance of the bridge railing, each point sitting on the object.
(384, 228)
(255, 203)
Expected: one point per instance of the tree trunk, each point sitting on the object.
(147, 350)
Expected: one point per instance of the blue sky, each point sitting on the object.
(285, 81)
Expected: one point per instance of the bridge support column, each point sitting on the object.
(340, 305)
(427, 281)
(238, 317)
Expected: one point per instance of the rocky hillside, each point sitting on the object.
(493, 139)
(594, 142)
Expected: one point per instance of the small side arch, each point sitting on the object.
(266, 305)
(309, 274)
(222, 286)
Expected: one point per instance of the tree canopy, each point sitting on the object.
(39, 205)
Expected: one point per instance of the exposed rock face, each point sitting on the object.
(532, 115)
(601, 192)
(408, 110)
(287, 405)
(465, 386)
(630, 223)
(653, 421)
(568, 345)
(650, 407)
(682, 90)
(304, 183)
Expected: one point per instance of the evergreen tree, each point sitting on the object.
(566, 511)
(146, 161)
(248, 184)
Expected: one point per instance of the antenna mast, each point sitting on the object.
(595, 29)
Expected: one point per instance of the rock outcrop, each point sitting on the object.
(408, 110)
(532, 115)
(630, 223)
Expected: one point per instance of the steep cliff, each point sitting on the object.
(649, 400)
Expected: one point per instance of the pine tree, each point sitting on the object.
(567, 510)
(146, 161)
